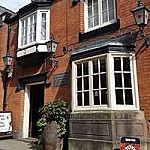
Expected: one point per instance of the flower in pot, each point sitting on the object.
(53, 113)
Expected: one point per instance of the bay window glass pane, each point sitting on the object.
(118, 80)
(105, 16)
(79, 99)
(43, 27)
(104, 5)
(34, 28)
(95, 9)
(79, 70)
(85, 68)
(96, 97)
(89, 2)
(86, 98)
(103, 65)
(117, 64)
(89, 11)
(126, 64)
(127, 80)
(86, 83)
(25, 31)
(103, 96)
(95, 1)
(128, 97)
(79, 84)
(103, 80)
(96, 82)
(90, 22)
(111, 4)
(96, 20)
(95, 66)
(119, 96)
(111, 15)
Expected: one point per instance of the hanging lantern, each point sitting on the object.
(7, 60)
(140, 14)
(52, 45)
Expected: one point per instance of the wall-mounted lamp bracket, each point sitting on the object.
(56, 62)
(146, 38)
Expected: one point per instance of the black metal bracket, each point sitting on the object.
(146, 38)
(56, 62)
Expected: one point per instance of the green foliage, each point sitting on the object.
(54, 111)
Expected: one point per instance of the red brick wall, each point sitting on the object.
(66, 23)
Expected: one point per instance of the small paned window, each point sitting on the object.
(99, 13)
(43, 26)
(34, 28)
(83, 84)
(105, 82)
(123, 85)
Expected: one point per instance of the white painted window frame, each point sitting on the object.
(38, 28)
(110, 84)
(86, 29)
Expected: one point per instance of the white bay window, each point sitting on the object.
(105, 82)
(99, 13)
(33, 30)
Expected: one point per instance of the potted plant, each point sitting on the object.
(52, 124)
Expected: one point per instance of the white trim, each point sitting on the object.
(27, 109)
(26, 112)
(110, 83)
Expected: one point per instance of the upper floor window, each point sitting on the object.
(28, 30)
(33, 30)
(99, 13)
(107, 81)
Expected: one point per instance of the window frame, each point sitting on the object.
(86, 28)
(110, 84)
(38, 39)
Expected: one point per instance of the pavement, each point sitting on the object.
(14, 144)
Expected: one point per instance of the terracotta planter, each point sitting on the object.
(51, 140)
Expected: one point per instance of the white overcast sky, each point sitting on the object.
(14, 5)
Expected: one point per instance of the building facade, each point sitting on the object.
(101, 69)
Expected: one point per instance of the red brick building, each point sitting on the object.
(102, 72)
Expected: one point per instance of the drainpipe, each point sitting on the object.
(6, 70)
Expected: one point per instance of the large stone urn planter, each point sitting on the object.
(51, 140)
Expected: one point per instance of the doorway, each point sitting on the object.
(36, 102)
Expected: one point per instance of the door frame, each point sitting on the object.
(26, 115)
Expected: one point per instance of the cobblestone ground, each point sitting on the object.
(13, 144)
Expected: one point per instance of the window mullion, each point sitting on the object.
(91, 100)
(111, 81)
(123, 87)
(132, 79)
(82, 87)
(100, 11)
(99, 75)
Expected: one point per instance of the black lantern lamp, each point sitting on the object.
(7, 60)
(140, 14)
(51, 48)
(52, 45)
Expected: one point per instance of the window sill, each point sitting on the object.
(100, 31)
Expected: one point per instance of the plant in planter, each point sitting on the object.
(56, 111)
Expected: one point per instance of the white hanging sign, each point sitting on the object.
(5, 122)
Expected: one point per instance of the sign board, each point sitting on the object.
(61, 79)
(130, 143)
(5, 122)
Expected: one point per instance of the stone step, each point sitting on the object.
(30, 140)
